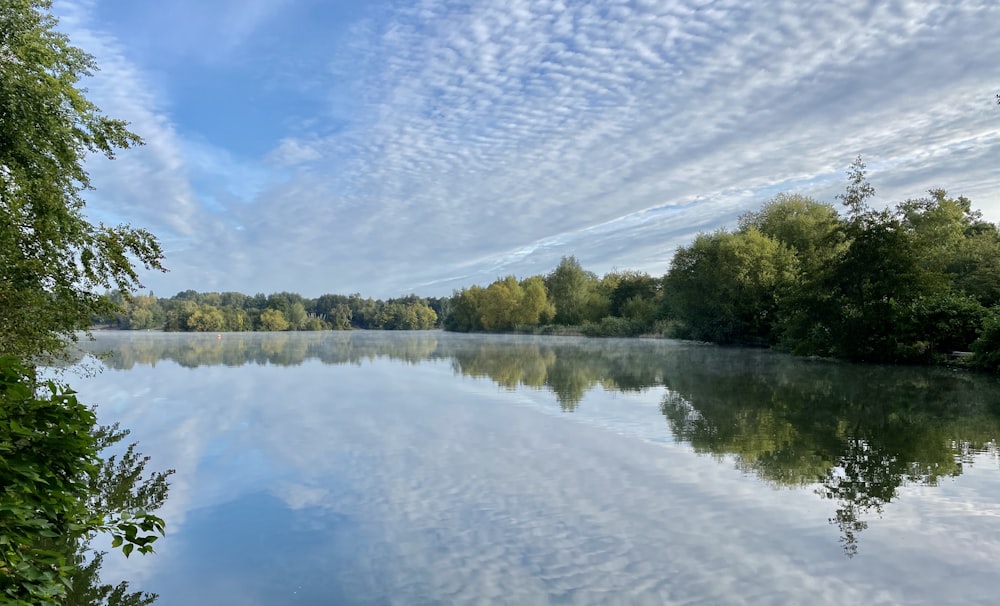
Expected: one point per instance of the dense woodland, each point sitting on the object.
(237, 312)
(911, 283)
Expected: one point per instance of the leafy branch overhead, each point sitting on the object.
(54, 264)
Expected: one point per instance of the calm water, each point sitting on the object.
(432, 468)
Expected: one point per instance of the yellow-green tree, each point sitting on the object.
(812, 229)
(273, 319)
(206, 319)
(535, 307)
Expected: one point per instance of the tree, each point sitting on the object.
(53, 495)
(630, 290)
(273, 319)
(53, 262)
(465, 313)
(812, 229)
(898, 285)
(297, 316)
(499, 308)
(206, 319)
(858, 191)
(56, 270)
(575, 293)
(726, 287)
(535, 307)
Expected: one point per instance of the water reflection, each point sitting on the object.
(858, 432)
(569, 367)
(853, 434)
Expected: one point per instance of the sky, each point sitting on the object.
(419, 146)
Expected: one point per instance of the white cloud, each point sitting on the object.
(494, 137)
(291, 152)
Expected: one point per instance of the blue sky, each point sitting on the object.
(394, 147)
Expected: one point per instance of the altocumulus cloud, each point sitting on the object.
(426, 146)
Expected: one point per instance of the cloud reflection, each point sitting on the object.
(423, 482)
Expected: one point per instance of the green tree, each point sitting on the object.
(53, 262)
(975, 269)
(57, 272)
(53, 495)
(987, 346)
(726, 287)
(622, 286)
(575, 293)
(812, 229)
(297, 316)
(465, 313)
(178, 314)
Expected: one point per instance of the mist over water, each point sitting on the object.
(423, 468)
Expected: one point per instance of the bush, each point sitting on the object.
(611, 326)
(986, 349)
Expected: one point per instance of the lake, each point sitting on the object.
(436, 468)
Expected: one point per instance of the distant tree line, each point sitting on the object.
(907, 284)
(236, 312)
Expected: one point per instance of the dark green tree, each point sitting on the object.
(55, 266)
(57, 271)
(726, 287)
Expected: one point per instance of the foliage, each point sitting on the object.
(614, 326)
(987, 346)
(53, 266)
(634, 295)
(273, 319)
(52, 493)
(726, 287)
(53, 261)
(905, 284)
(402, 316)
(575, 294)
(465, 315)
(812, 229)
(236, 312)
(504, 305)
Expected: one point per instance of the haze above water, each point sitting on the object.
(436, 468)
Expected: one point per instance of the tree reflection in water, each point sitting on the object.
(854, 434)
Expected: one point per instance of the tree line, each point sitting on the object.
(910, 283)
(236, 312)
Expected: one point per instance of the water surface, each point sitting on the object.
(435, 468)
